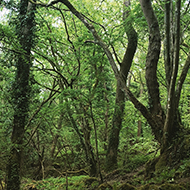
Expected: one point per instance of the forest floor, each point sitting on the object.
(136, 180)
(119, 179)
(136, 171)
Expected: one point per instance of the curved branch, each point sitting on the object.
(69, 40)
(97, 38)
(132, 42)
(182, 79)
(137, 104)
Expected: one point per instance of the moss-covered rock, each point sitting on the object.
(126, 186)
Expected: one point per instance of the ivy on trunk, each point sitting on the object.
(21, 91)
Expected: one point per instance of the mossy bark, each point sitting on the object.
(21, 91)
(179, 150)
(13, 181)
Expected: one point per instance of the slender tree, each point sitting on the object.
(125, 65)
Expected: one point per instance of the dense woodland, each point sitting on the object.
(94, 94)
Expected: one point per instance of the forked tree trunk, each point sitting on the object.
(171, 125)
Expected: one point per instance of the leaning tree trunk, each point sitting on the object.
(111, 157)
(21, 92)
(151, 69)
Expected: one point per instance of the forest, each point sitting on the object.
(94, 95)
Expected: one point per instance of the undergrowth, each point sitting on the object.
(59, 183)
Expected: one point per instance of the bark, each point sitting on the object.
(87, 134)
(152, 57)
(155, 123)
(155, 115)
(151, 70)
(113, 143)
(139, 133)
(85, 142)
(171, 126)
(60, 122)
(21, 92)
(182, 79)
(167, 53)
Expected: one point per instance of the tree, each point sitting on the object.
(160, 122)
(125, 65)
(169, 124)
(21, 91)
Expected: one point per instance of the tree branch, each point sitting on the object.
(182, 79)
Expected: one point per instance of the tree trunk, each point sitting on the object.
(113, 143)
(171, 123)
(59, 126)
(85, 141)
(139, 133)
(111, 157)
(21, 92)
(168, 43)
(91, 157)
(151, 69)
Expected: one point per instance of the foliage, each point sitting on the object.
(73, 89)
(75, 182)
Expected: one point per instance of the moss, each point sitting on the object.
(105, 186)
(126, 186)
(90, 180)
(165, 186)
(94, 185)
(168, 186)
(187, 142)
(160, 165)
(185, 185)
(150, 168)
(149, 187)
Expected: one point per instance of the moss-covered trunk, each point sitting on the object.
(111, 157)
(21, 92)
